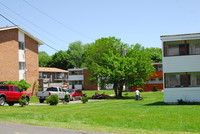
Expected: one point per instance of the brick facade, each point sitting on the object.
(32, 73)
(9, 55)
(88, 84)
(9, 63)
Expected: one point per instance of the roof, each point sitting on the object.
(51, 69)
(22, 30)
(176, 37)
(76, 69)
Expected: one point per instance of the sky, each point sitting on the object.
(60, 22)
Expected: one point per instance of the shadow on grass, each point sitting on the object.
(159, 103)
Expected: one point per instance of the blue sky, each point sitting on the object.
(60, 22)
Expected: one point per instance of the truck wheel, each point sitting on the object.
(41, 100)
(10, 103)
(27, 100)
(2, 101)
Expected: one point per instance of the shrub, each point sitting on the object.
(47, 100)
(141, 89)
(67, 98)
(84, 99)
(22, 84)
(53, 99)
(155, 88)
(22, 100)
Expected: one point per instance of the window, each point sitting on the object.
(182, 80)
(21, 65)
(17, 89)
(158, 67)
(76, 82)
(152, 79)
(76, 72)
(175, 80)
(21, 45)
(176, 48)
(3, 88)
(194, 79)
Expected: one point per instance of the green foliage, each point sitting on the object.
(155, 54)
(44, 59)
(117, 63)
(141, 89)
(53, 99)
(76, 53)
(22, 100)
(84, 99)
(47, 100)
(155, 88)
(61, 60)
(22, 84)
(67, 98)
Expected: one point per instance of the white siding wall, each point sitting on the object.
(21, 55)
(190, 94)
(76, 86)
(75, 77)
(190, 63)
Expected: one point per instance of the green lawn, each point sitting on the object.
(148, 116)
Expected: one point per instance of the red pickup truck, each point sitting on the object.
(11, 94)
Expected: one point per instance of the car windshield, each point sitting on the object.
(52, 89)
(70, 91)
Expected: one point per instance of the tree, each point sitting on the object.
(44, 59)
(61, 60)
(155, 54)
(22, 84)
(76, 53)
(117, 63)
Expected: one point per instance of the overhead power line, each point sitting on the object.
(8, 20)
(57, 20)
(16, 25)
(33, 23)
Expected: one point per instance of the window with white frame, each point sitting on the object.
(21, 65)
(21, 45)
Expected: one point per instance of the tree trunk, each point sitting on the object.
(118, 87)
(115, 89)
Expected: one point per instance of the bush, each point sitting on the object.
(84, 99)
(22, 84)
(141, 89)
(53, 99)
(155, 88)
(67, 98)
(22, 100)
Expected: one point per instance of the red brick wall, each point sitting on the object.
(32, 74)
(149, 87)
(9, 57)
(89, 85)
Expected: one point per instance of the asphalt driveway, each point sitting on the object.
(14, 128)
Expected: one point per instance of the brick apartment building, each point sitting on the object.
(155, 80)
(79, 79)
(18, 55)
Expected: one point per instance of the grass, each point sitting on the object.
(148, 116)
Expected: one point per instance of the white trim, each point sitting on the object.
(193, 36)
(25, 32)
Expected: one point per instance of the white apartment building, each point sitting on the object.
(181, 67)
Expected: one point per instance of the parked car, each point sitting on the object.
(43, 95)
(11, 94)
(75, 94)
